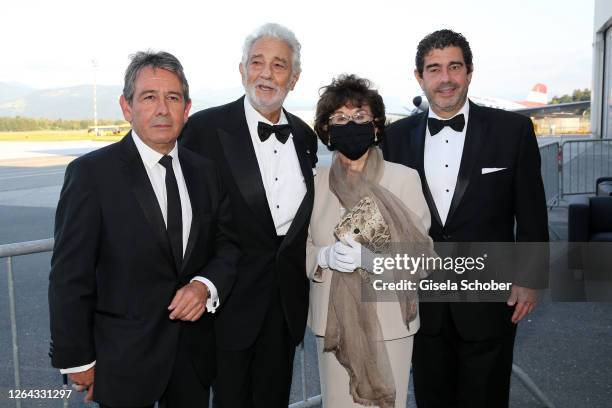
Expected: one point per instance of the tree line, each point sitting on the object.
(577, 96)
(21, 124)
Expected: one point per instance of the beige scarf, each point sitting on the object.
(353, 331)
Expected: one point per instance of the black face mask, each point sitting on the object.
(352, 139)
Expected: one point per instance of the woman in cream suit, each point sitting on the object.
(349, 120)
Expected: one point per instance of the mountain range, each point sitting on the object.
(12, 90)
(76, 102)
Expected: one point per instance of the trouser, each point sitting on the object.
(260, 376)
(451, 372)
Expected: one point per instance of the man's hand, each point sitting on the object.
(189, 303)
(525, 300)
(84, 381)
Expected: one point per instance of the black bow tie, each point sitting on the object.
(436, 125)
(281, 132)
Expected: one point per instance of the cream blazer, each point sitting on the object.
(402, 181)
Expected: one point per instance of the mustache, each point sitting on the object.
(264, 82)
(162, 122)
(447, 85)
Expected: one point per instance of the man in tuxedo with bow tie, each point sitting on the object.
(266, 156)
(480, 173)
(144, 253)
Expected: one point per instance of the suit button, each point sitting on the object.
(446, 236)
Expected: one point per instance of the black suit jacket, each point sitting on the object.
(222, 134)
(484, 207)
(113, 274)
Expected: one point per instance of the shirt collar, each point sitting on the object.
(252, 116)
(149, 156)
(465, 110)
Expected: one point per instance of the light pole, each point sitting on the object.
(95, 103)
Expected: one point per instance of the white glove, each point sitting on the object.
(337, 257)
(361, 255)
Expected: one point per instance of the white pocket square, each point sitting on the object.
(487, 170)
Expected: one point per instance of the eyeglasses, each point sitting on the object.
(341, 119)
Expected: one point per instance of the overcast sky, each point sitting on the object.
(515, 43)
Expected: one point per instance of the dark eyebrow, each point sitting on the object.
(154, 91)
(437, 65)
(146, 91)
(283, 60)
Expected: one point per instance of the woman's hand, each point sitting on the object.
(339, 257)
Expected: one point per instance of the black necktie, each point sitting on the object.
(282, 132)
(436, 125)
(174, 224)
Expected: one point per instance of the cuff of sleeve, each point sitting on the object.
(321, 257)
(79, 369)
(213, 300)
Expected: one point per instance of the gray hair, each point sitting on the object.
(149, 58)
(276, 31)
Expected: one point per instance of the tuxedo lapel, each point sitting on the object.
(136, 175)
(302, 151)
(240, 154)
(419, 150)
(193, 189)
(303, 155)
(474, 141)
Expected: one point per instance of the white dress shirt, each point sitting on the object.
(157, 177)
(280, 170)
(442, 159)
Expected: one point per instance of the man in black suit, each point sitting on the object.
(480, 173)
(266, 156)
(143, 248)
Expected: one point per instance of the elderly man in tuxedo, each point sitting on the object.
(480, 173)
(144, 252)
(265, 156)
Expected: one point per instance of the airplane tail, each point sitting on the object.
(537, 96)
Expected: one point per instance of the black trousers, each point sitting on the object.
(184, 390)
(260, 376)
(451, 372)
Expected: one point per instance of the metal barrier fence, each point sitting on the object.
(9, 251)
(583, 161)
(549, 154)
(306, 402)
(46, 245)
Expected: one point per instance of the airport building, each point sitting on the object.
(601, 99)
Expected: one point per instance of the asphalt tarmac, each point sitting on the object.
(566, 348)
